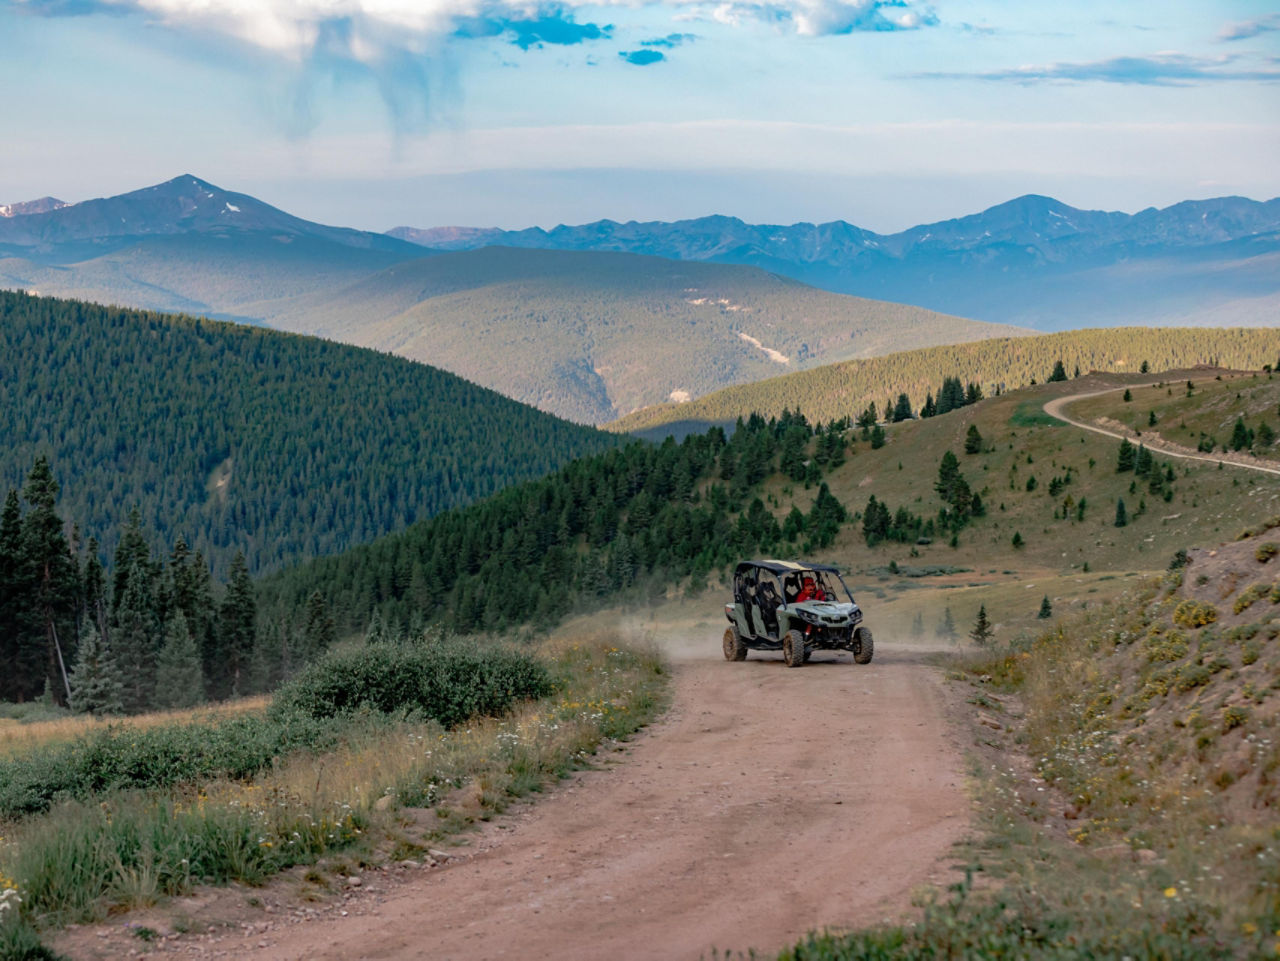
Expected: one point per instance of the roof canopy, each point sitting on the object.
(788, 567)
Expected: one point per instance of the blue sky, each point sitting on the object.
(375, 113)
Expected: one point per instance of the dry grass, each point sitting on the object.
(312, 804)
(16, 737)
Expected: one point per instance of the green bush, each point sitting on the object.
(1191, 676)
(446, 682)
(1165, 647)
(1266, 551)
(120, 756)
(1194, 614)
(1246, 598)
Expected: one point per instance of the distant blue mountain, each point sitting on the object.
(1033, 261)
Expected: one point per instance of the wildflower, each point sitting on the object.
(1170, 892)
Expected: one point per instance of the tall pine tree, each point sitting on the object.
(47, 602)
(236, 632)
(96, 685)
(179, 679)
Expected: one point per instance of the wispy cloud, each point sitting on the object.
(551, 26)
(642, 58)
(670, 41)
(1161, 69)
(820, 18)
(1244, 29)
(400, 45)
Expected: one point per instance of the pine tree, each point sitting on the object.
(1121, 517)
(10, 591)
(902, 410)
(1046, 609)
(135, 641)
(1241, 436)
(96, 686)
(319, 631)
(179, 679)
(1128, 395)
(947, 626)
(877, 437)
(1125, 458)
(48, 597)
(236, 630)
(982, 632)
(973, 440)
(1059, 373)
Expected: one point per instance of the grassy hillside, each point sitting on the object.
(1202, 419)
(1124, 767)
(845, 389)
(645, 521)
(590, 336)
(240, 438)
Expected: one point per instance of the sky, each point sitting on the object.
(511, 113)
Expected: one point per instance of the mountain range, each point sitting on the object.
(586, 335)
(1033, 261)
(595, 321)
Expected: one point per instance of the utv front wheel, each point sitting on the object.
(735, 648)
(863, 646)
(793, 649)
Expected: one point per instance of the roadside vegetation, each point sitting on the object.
(1127, 804)
(514, 720)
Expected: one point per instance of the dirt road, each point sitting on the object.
(767, 803)
(1056, 407)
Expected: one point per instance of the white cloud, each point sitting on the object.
(366, 30)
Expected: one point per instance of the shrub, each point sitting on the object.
(120, 756)
(1266, 551)
(445, 682)
(1234, 716)
(1191, 676)
(1194, 614)
(1246, 598)
(1168, 647)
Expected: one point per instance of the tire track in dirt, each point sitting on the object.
(768, 802)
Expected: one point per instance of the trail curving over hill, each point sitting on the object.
(1054, 408)
(768, 802)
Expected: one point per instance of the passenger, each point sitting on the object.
(809, 591)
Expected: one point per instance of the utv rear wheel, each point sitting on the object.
(735, 648)
(793, 649)
(863, 646)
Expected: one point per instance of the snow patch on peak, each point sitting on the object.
(232, 208)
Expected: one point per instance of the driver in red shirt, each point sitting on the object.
(809, 591)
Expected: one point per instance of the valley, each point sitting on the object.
(749, 482)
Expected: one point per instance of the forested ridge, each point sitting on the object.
(636, 516)
(841, 389)
(244, 439)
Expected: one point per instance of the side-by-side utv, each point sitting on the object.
(795, 608)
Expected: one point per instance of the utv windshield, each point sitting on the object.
(801, 586)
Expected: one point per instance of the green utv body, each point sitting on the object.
(773, 611)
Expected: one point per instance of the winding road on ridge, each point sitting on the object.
(1055, 408)
(768, 802)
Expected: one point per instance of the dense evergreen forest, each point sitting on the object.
(639, 515)
(245, 439)
(145, 633)
(841, 389)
